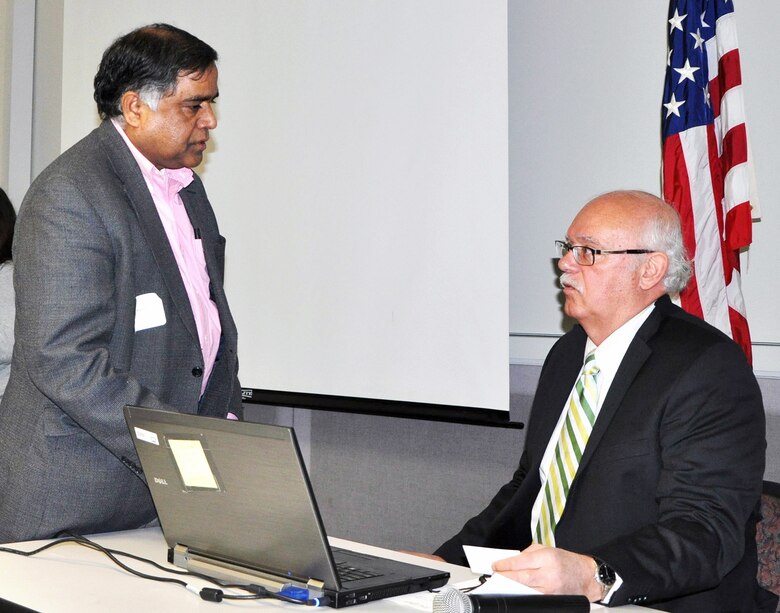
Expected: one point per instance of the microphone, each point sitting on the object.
(452, 600)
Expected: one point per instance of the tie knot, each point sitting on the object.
(590, 367)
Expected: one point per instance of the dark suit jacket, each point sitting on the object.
(669, 481)
(88, 242)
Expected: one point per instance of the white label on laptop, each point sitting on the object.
(193, 464)
(145, 435)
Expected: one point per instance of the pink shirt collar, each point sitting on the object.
(169, 180)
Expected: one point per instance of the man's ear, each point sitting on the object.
(133, 108)
(653, 270)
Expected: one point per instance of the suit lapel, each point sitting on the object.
(565, 371)
(190, 197)
(140, 199)
(637, 354)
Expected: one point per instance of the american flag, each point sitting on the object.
(705, 158)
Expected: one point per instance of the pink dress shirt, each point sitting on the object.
(164, 186)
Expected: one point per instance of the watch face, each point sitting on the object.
(606, 574)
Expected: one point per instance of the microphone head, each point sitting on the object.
(452, 600)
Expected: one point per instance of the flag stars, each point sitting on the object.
(673, 106)
(676, 21)
(686, 72)
(697, 37)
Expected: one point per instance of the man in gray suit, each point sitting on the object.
(119, 280)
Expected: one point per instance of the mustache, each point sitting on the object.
(566, 280)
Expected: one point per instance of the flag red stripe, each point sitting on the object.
(677, 192)
(734, 147)
(739, 218)
(729, 70)
(716, 175)
(729, 75)
(739, 221)
(715, 95)
(741, 333)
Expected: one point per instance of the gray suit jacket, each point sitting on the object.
(88, 242)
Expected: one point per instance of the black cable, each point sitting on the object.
(205, 593)
(482, 580)
(465, 590)
(79, 540)
(211, 594)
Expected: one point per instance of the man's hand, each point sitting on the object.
(552, 571)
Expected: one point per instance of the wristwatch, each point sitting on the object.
(604, 576)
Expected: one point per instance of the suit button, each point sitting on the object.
(197, 371)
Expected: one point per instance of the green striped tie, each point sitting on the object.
(574, 435)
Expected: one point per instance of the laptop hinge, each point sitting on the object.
(184, 557)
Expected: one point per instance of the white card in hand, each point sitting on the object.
(481, 558)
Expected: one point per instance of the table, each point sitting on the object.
(71, 578)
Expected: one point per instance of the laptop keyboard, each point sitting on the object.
(347, 572)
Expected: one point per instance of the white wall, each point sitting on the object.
(586, 81)
(17, 24)
(5, 81)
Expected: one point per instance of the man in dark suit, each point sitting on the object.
(119, 281)
(662, 506)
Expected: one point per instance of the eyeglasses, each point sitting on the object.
(586, 256)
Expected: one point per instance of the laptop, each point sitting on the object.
(235, 503)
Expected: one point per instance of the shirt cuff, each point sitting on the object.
(613, 589)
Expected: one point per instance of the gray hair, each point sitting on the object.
(151, 95)
(664, 234)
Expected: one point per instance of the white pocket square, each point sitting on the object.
(149, 312)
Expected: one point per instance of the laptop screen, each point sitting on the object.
(235, 491)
